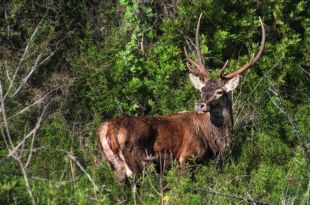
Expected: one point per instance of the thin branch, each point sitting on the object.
(301, 163)
(235, 197)
(250, 197)
(304, 70)
(151, 183)
(282, 109)
(37, 64)
(14, 150)
(30, 153)
(21, 152)
(298, 131)
(4, 117)
(23, 57)
(4, 138)
(7, 71)
(63, 174)
(81, 167)
(161, 179)
(33, 104)
(36, 149)
(25, 177)
(41, 179)
(142, 47)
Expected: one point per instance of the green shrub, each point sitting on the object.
(128, 57)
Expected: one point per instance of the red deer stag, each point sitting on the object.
(127, 141)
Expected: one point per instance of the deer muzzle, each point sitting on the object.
(202, 107)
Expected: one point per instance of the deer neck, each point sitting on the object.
(217, 128)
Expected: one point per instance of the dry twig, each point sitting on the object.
(235, 197)
(281, 107)
(82, 168)
(41, 179)
(4, 126)
(304, 70)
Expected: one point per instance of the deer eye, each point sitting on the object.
(219, 92)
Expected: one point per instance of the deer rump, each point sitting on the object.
(128, 142)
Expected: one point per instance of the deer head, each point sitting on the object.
(214, 92)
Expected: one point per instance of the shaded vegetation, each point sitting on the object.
(114, 57)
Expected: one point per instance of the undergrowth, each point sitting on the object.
(80, 63)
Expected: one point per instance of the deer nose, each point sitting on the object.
(201, 107)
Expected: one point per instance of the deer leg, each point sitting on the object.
(186, 159)
(182, 162)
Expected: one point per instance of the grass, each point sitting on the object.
(265, 171)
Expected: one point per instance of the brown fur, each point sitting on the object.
(184, 135)
(128, 141)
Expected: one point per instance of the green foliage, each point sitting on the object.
(8, 190)
(128, 57)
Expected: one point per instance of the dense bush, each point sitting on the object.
(114, 57)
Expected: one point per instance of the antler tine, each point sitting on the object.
(260, 52)
(222, 70)
(201, 70)
(252, 61)
(190, 60)
(197, 72)
(199, 61)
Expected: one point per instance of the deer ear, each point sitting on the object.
(196, 81)
(232, 84)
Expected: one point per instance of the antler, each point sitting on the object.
(201, 70)
(252, 61)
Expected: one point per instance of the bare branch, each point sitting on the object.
(4, 117)
(30, 153)
(294, 124)
(304, 70)
(81, 167)
(36, 149)
(33, 104)
(25, 177)
(152, 184)
(41, 179)
(251, 198)
(15, 149)
(21, 152)
(235, 197)
(7, 71)
(63, 174)
(37, 64)
(301, 163)
(23, 57)
(4, 138)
